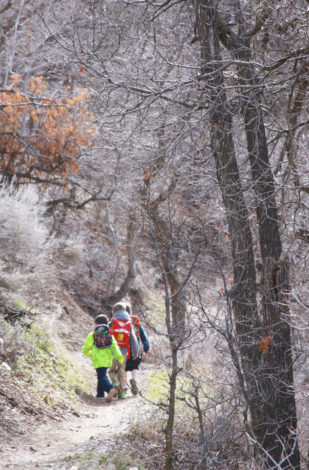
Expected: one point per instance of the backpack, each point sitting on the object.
(121, 330)
(102, 337)
(136, 325)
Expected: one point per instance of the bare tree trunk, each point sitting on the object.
(175, 303)
(268, 380)
(169, 429)
(278, 433)
(243, 295)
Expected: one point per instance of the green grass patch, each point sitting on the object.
(103, 460)
(79, 458)
(21, 305)
(53, 376)
(157, 385)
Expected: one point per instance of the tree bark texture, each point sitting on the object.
(268, 376)
(279, 406)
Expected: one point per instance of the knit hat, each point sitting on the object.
(101, 319)
(119, 306)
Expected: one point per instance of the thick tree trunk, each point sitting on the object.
(244, 293)
(269, 379)
(278, 433)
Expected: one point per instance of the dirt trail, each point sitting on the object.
(96, 421)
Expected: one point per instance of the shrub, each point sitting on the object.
(25, 247)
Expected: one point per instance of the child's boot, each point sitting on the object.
(111, 394)
(134, 388)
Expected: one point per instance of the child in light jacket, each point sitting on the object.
(102, 359)
(122, 329)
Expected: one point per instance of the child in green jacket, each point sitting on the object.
(102, 359)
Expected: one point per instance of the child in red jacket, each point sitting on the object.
(122, 330)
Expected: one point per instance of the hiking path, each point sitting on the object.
(94, 425)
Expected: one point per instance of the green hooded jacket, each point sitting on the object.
(101, 357)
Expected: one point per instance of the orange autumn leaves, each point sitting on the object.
(41, 136)
(264, 344)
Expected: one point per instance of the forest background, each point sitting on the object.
(159, 151)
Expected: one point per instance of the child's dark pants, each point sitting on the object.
(104, 384)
